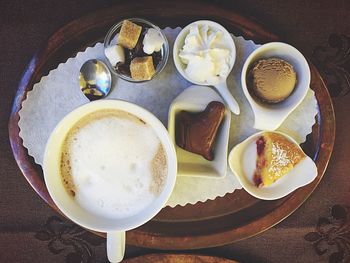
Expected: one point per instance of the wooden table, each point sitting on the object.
(31, 230)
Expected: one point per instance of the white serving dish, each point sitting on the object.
(242, 161)
(228, 44)
(195, 99)
(270, 116)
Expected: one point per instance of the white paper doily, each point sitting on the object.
(58, 93)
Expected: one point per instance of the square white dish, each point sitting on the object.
(195, 99)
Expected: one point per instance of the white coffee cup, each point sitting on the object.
(115, 228)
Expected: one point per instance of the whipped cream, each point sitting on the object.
(207, 55)
(152, 41)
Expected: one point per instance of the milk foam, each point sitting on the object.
(115, 164)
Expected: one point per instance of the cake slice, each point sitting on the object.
(276, 156)
(196, 132)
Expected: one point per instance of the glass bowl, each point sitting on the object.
(111, 39)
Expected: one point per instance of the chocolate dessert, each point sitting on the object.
(196, 132)
(271, 80)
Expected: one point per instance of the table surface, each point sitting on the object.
(319, 231)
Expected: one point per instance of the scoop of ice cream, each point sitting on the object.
(115, 54)
(272, 80)
(206, 55)
(152, 41)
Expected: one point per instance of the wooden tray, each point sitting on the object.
(226, 219)
(178, 258)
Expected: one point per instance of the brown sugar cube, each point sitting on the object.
(142, 68)
(129, 34)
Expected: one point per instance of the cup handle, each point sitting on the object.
(115, 246)
(228, 98)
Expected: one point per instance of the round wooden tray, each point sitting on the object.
(224, 220)
(178, 258)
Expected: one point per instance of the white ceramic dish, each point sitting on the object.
(242, 161)
(221, 86)
(195, 99)
(270, 117)
(115, 227)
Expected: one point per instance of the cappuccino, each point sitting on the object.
(113, 164)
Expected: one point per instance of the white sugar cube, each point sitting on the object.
(152, 41)
(115, 54)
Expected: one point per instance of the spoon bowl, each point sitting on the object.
(95, 79)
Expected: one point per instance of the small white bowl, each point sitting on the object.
(195, 99)
(270, 116)
(242, 161)
(228, 43)
(180, 42)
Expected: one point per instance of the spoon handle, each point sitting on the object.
(227, 96)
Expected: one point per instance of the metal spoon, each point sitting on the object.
(95, 79)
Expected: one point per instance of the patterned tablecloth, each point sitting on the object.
(319, 231)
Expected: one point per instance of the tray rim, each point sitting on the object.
(156, 240)
(170, 257)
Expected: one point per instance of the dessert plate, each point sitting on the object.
(224, 220)
(195, 99)
(242, 162)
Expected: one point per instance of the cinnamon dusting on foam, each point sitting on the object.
(159, 170)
